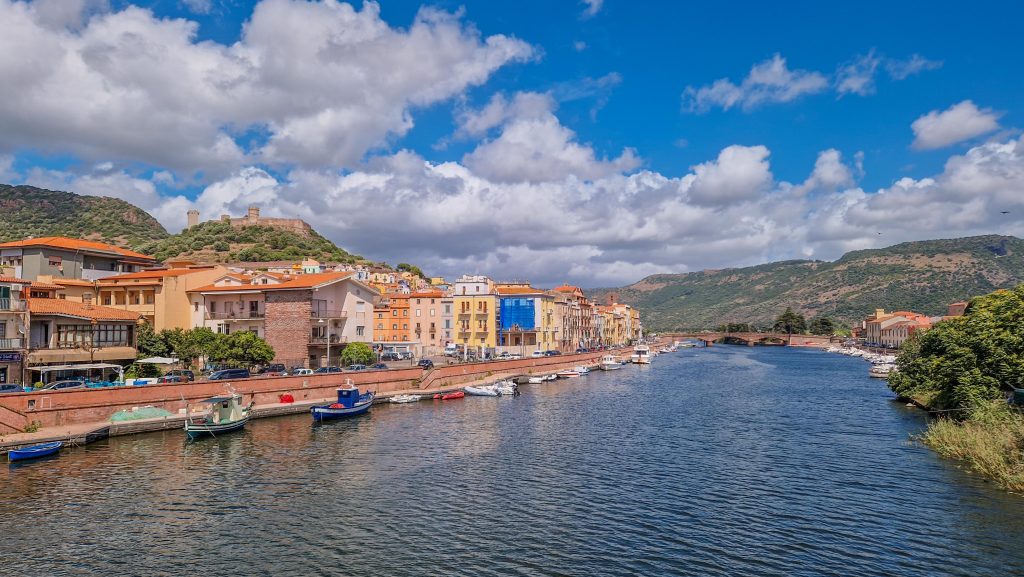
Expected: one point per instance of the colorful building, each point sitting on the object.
(160, 296)
(427, 315)
(14, 326)
(526, 319)
(476, 313)
(69, 258)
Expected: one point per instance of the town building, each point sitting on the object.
(69, 258)
(427, 326)
(159, 295)
(14, 326)
(576, 313)
(391, 324)
(308, 319)
(526, 319)
(890, 330)
(475, 314)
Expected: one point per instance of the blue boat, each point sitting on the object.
(350, 403)
(35, 451)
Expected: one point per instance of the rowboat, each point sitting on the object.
(350, 403)
(226, 415)
(450, 396)
(405, 398)
(35, 451)
(567, 374)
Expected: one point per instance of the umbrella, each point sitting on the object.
(158, 361)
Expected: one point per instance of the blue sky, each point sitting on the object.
(607, 112)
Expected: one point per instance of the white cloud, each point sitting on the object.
(592, 8)
(199, 6)
(957, 123)
(858, 76)
(129, 86)
(770, 81)
(740, 174)
(7, 172)
(579, 46)
(829, 174)
(900, 69)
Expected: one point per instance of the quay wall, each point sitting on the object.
(78, 406)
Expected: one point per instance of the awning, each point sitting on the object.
(80, 367)
(213, 400)
(158, 360)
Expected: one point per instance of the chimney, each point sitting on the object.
(193, 218)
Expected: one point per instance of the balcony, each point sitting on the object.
(322, 313)
(9, 344)
(335, 340)
(233, 315)
(12, 305)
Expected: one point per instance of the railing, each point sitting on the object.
(233, 315)
(321, 313)
(12, 343)
(12, 305)
(335, 340)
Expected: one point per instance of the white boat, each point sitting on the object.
(641, 355)
(609, 363)
(582, 370)
(535, 380)
(550, 377)
(567, 374)
(484, 391)
(405, 398)
(505, 387)
(881, 371)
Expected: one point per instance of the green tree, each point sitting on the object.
(149, 343)
(357, 354)
(406, 267)
(822, 326)
(243, 349)
(790, 322)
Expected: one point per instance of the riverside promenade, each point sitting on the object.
(80, 416)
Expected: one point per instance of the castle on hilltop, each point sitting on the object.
(253, 218)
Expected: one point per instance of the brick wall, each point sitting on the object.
(288, 324)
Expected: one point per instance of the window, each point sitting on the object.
(394, 313)
(359, 331)
(380, 315)
(447, 323)
(55, 261)
(106, 299)
(150, 298)
(432, 311)
(447, 309)
(405, 326)
(405, 313)
(394, 327)
(418, 311)
(380, 326)
(195, 306)
(432, 301)
(213, 306)
(62, 297)
(418, 301)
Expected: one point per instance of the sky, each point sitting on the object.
(592, 142)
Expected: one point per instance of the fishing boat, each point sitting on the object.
(642, 355)
(450, 396)
(350, 403)
(225, 415)
(486, 391)
(582, 370)
(567, 374)
(609, 363)
(35, 451)
(405, 398)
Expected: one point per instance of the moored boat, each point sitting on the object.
(450, 396)
(641, 355)
(567, 374)
(582, 370)
(226, 415)
(881, 371)
(350, 403)
(405, 398)
(486, 391)
(535, 380)
(34, 452)
(609, 363)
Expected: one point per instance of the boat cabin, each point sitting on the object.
(348, 396)
(224, 409)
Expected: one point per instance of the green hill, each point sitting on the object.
(923, 276)
(217, 241)
(27, 211)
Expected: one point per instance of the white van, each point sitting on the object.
(450, 350)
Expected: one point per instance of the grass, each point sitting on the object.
(990, 442)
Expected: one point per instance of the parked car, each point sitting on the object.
(536, 354)
(274, 370)
(378, 366)
(505, 355)
(582, 350)
(188, 374)
(425, 364)
(322, 370)
(451, 350)
(552, 353)
(61, 385)
(355, 367)
(172, 379)
(301, 371)
(405, 355)
(390, 356)
(10, 388)
(225, 374)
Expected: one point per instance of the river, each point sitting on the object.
(718, 461)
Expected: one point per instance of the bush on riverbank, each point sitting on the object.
(989, 441)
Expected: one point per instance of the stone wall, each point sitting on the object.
(288, 325)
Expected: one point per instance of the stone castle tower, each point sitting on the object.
(193, 218)
(252, 217)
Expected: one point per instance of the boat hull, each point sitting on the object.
(34, 452)
(326, 413)
(200, 430)
(614, 367)
(481, 392)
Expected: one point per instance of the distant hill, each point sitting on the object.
(923, 276)
(217, 241)
(27, 211)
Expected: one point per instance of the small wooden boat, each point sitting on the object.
(35, 451)
(226, 415)
(567, 374)
(405, 398)
(350, 403)
(450, 396)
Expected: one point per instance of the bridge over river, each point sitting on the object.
(751, 339)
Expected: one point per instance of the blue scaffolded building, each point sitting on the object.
(517, 315)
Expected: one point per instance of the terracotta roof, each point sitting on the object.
(67, 308)
(44, 286)
(427, 295)
(567, 288)
(14, 280)
(72, 282)
(74, 244)
(518, 290)
(150, 274)
(302, 281)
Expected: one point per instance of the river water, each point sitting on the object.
(718, 461)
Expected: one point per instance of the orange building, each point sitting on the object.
(391, 321)
(426, 314)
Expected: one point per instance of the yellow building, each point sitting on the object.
(160, 296)
(476, 310)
